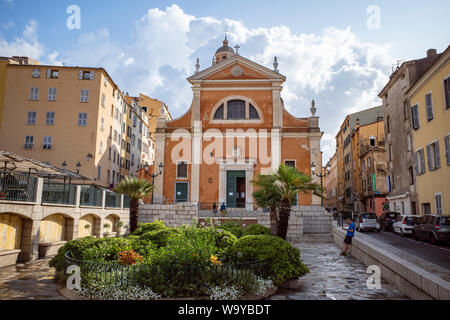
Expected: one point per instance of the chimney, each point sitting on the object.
(431, 52)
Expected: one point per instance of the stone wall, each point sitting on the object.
(172, 215)
(304, 220)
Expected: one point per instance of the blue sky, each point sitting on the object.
(325, 48)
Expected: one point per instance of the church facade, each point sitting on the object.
(236, 128)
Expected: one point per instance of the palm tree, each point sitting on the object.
(280, 190)
(135, 189)
(288, 184)
(267, 197)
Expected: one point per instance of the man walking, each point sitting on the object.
(349, 237)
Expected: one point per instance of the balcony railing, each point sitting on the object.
(17, 187)
(112, 200)
(59, 193)
(23, 187)
(91, 196)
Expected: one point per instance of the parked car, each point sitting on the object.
(366, 221)
(432, 228)
(404, 224)
(387, 219)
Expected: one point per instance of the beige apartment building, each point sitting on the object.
(72, 117)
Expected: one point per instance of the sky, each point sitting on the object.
(339, 53)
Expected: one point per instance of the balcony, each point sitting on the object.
(365, 147)
(25, 188)
(17, 187)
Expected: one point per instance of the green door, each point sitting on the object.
(181, 192)
(232, 194)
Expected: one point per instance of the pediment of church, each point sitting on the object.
(237, 68)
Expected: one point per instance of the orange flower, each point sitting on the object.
(215, 261)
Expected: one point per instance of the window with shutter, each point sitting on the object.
(29, 142)
(438, 201)
(34, 94)
(447, 149)
(430, 163)
(429, 106)
(437, 155)
(447, 93)
(80, 75)
(84, 95)
(49, 73)
(82, 119)
(422, 161)
(31, 117)
(36, 73)
(50, 118)
(91, 75)
(415, 117)
(47, 142)
(416, 162)
(51, 94)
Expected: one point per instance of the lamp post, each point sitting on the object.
(78, 167)
(161, 167)
(321, 176)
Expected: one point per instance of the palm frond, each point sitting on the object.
(134, 188)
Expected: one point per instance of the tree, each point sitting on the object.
(135, 189)
(267, 197)
(279, 191)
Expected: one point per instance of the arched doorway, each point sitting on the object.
(112, 225)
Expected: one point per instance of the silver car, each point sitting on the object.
(366, 221)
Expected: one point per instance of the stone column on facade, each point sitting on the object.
(249, 187)
(277, 107)
(195, 115)
(29, 244)
(222, 183)
(160, 144)
(39, 190)
(275, 138)
(316, 157)
(196, 161)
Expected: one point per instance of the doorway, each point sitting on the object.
(236, 195)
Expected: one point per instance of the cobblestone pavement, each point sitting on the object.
(334, 277)
(29, 281)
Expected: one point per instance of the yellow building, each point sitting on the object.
(429, 99)
(69, 115)
(153, 108)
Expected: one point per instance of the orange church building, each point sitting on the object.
(236, 128)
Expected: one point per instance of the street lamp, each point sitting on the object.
(161, 167)
(64, 165)
(78, 167)
(321, 176)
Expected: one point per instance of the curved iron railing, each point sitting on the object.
(169, 281)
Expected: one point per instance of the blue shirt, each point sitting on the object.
(351, 230)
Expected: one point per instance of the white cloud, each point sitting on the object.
(341, 72)
(26, 45)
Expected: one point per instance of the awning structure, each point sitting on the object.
(10, 162)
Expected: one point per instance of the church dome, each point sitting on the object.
(224, 52)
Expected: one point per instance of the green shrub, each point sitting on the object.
(76, 249)
(255, 229)
(284, 259)
(159, 237)
(144, 247)
(146, 227)
(91, 249)
(232, 227)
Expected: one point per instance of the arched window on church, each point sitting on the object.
(252, 113)
(236, 110)
(219, 113)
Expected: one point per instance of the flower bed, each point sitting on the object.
(158, 262)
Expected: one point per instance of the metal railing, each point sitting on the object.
(112, 200)
(17, 187)
(212, 209)
(91, 196)
(59, 193)
(170, 281)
